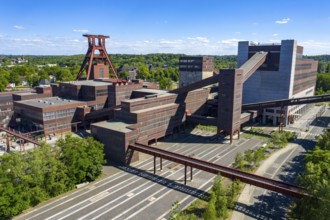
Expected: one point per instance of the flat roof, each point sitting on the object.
(89, 83)
(115, 125)
(155, 91)
(154, 108)
(26, 93)
(49, 102)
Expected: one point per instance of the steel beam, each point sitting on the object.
(260, 181)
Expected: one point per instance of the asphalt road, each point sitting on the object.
(265, 204)
(136, 193)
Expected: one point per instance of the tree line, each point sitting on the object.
(35, 176)
(163, 68)
(221, 198)
(316, 179)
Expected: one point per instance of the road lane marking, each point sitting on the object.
(105, 205)
(137, 178)
(97, 185)
(133, 214)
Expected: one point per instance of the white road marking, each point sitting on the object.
(117, 176)
(137, 178)
(99, 197)
(132, 215)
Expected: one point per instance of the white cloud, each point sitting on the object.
(200, 39)
(80, 30)
(45, 45)
(254, 33)
(312, 47)
(231, 42)
(283, 21)
(237, 32)
(18, 27)
(275, 35)
(274, 41)
(75, 40)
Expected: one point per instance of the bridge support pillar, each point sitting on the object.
(154, 164)
(185, 174)
(191, 173)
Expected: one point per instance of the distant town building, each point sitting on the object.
(285, 74)
(131, 70)
(49, 65)
(24, 81)
(18, 60)
(193, 69)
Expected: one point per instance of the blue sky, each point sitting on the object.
(213, 27)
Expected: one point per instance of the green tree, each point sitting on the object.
(232, 193)
(239, 161)
(322, 83)
(210, 212)
(258, 156)
(316, 179)
(143, 72)
(83, 157)
(249, 157)
(123, 74)
(3, 79)
(175, 210)
(220, 198)
(14, 191)
(66, 75)
(165, 83)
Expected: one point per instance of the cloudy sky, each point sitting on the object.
(196, 27)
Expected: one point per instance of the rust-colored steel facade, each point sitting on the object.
(230, 101)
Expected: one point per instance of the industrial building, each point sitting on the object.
(285, 74)
(7, 106)
(121, 113)
(195, 68)
(149, 115)
(52, 115)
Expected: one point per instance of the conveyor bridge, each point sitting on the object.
(263, 182)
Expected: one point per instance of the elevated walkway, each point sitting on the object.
(263, 182)
(20, 136)
(252, 64)
(287, 102)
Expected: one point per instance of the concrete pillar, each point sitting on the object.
(191, 173)
(154, 164)
(185, 174)
(274, 120)
(264, 119)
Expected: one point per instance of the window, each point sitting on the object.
(102, 72)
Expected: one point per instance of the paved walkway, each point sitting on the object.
(254, 203)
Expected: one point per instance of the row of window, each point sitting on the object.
(102, 92)
(58, 114)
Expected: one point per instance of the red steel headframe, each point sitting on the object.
(90, 55)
